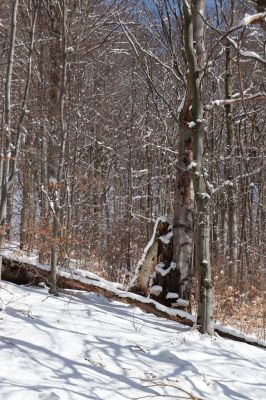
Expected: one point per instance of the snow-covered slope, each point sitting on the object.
(82, 346)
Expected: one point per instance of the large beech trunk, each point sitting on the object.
(180, 279)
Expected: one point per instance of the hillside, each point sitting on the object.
(84, 346)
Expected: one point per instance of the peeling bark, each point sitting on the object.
(147, 265)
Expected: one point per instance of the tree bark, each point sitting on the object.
(144, 274)
(5, 178)
(57, 207)
(7, 128)
(232, 209)
(194, 33)
(183, 235)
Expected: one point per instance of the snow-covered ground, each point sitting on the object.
(82, 346)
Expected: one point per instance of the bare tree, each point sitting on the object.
(196, 57)
(7, 145)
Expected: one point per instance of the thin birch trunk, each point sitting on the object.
(232, 209)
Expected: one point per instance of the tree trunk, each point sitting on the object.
(5, 178)
(63, 133)
(176, 256)
(232, 209)
(194, 34)
(181, 282)
(7, 128)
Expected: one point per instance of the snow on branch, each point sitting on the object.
(252, 19)
(221, 102)
(235, 179)
(246, 21)
(247, 54)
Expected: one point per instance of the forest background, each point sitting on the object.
(94, 95)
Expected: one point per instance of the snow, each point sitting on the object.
(160, 268)
(139, 173)
(204, 195)
(53, 180)
(171, 295)
(181, 105)
(166, 239)
(116, 288)
(227, 183)
(250, 19)
(192, 124)
(192, 165)
(82, 346)
(156, 290)
(217, 102)
(80, 275)
(181, 303)
(51, 203)
(98, 282)
(234, 332)
(245, 53)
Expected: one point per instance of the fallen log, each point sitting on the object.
(22, 272)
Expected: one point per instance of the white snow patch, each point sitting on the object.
(156, 290)
(192, 165)
(139, 172)
(171, 295)
(73, 273)
(166, 238)
(249, 19)
(247, 53)
(217, 102)
(181, 303)
(164, 272)
(204, 195)
(191, 124)
(181, 105)
(232, 331)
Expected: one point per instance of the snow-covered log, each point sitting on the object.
(23, 272)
